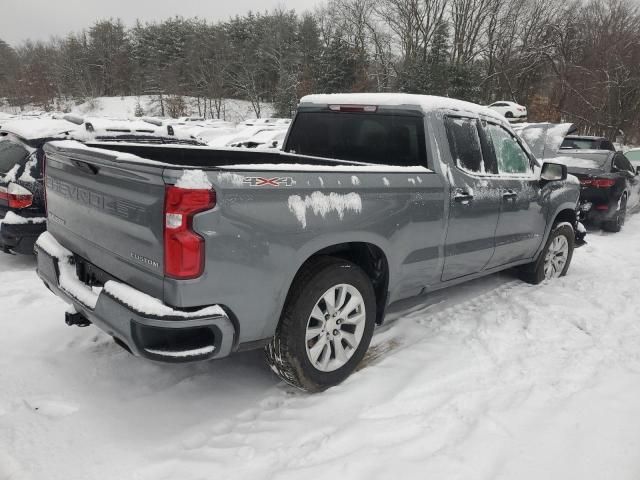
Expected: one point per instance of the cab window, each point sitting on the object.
(510, 156)
(464, 143)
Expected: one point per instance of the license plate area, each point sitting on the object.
(89, 274)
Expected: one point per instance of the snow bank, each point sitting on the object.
(194, 180)
(321, 204)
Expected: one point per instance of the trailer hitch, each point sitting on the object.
(76, 319)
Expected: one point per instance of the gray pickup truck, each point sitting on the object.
(190, 253)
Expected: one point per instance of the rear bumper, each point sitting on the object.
(176, 337)
(595, 213)
(20, 237)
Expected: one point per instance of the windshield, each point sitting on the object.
(580, 144)
(593, 162)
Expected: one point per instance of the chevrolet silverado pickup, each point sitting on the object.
(191, 253)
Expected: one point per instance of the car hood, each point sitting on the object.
(544, 139)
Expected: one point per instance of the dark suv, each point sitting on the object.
(22, 202)
(609, 185)
(22, 199)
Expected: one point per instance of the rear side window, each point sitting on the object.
(10, 154)
(464, 143)
(378, 138)
(621, 163)
(509, 154)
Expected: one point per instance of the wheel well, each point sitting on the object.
(371, 259)
(566, 216)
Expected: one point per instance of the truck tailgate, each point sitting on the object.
(108, 209)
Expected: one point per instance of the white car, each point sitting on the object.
(510, 110)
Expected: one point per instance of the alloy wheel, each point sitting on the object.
(556, 257)
(335, 327)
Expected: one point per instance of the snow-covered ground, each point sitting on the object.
(494, 379)
(125, 107)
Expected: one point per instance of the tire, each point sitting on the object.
(536, 272)
(508, 115)
(617, 223)
(290, 353)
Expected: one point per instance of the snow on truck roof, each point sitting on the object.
(428, 103)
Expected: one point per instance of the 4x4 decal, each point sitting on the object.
(269, 182)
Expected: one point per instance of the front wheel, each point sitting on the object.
(556, 257)
(326, 325)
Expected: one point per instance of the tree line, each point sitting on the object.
(568, 60)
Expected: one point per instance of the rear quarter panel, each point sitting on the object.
(257, 237)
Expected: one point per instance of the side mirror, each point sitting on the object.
(553, 172)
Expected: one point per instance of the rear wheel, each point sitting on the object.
(616, 224)
(326, 325)
(556, 257)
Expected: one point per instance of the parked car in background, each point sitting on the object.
(376, 198)
(610, 185)
(22, 199)
(22, 202)
(263, 139)
(586, 142)
(511, 110)
(633, 155)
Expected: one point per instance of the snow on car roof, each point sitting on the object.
(36, 128)
(428, 103)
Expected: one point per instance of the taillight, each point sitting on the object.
(598, 182)
(183, 248)
(16, 196)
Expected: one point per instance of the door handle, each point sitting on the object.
(510, 195)
(462, 196)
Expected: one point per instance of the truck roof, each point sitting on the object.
(427, 103)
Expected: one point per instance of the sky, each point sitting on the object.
(41, 19)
